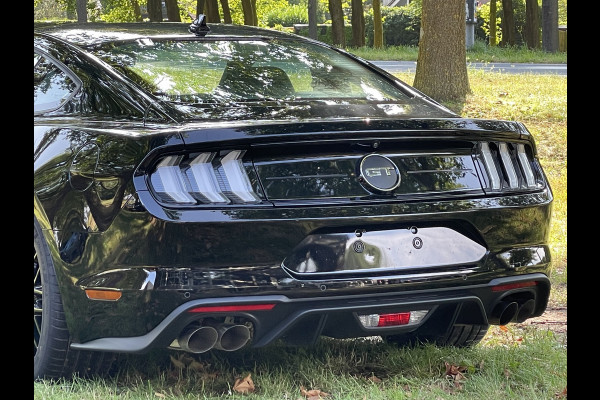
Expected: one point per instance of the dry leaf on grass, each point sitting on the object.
(313, 394)
(562, 395)
(374, 379)
(162, 396)
(455, 372)
(244, 385)
(177, 363)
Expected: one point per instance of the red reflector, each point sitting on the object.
(501, 288)
(393, 319)
(247, 307)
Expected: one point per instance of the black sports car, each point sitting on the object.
(205, 188)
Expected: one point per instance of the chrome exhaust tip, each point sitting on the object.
(198, 339)
(232, 337)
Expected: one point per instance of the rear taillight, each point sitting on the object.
(204, 178)
(509, 167)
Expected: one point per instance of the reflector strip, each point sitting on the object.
(393, 319)
(96, 294)
(247, 307)
(510, 286)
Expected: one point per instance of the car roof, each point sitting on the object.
(95, 33)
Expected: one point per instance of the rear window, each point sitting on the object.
(247, 70)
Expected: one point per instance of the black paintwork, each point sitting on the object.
(106, 229)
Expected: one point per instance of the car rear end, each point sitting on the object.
(429, 229)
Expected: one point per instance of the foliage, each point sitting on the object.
(118, 11)
(562, 12)
(401, 26)
(483, 19)
(292, 14)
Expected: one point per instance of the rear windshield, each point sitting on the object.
(247, 71)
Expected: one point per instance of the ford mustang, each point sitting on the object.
(215, 187)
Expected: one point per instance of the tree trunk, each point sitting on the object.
(172, 11)
(82, 11)
(550, 25)
(136, 10)
(508, 24)
(377, 25)
(493, 12)
(154, 8)
(226, 11)
(212, 11)
(248, 8)
(532, 24)
(442, 61)
(199, 7)
(358, 23)
(337, 23)
(312, 19)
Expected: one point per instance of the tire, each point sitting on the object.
(457, 336)
(52, 356)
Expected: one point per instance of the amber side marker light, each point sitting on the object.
(519, 285)
(246, 307)
(96, 294)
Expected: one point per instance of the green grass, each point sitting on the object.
(480, 52)
(510, 363)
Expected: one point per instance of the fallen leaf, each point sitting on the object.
(196, 366)
(503, 328)
(507, 373)
(177, 363)
(162, 396)
(244, 385)
(374, 379)
(313, 394)
(456, 373)
(562, 394)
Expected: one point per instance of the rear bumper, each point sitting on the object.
(303, 320)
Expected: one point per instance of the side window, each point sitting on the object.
(52, 87)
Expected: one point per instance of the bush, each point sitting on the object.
(401, 26)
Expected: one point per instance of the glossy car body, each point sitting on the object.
(255, 215)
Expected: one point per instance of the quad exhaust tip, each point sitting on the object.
(202, 338)
(512, 311)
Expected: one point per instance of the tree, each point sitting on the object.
(137, 12)
(508, 24)
(377, 25)
(249, 10)
(337, 23)
(154, 8)
(82, 11)
(172, 11)
(532, 24)
(493, 12)
(211, 9)
(226, 11)
(550, 25)
(312, 19)
(442, 61)
(358, 23)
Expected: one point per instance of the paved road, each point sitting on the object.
(510, 68)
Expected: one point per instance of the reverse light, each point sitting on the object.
(392, 319)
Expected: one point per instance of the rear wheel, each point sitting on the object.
(52, 356)
(462, 335)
